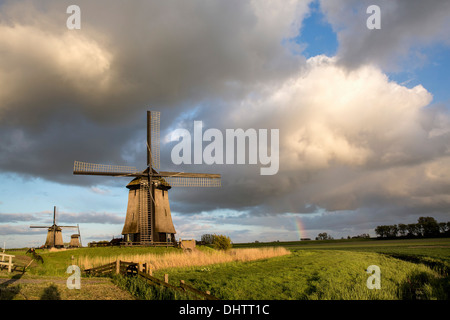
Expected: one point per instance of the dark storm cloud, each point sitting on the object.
(82, 94)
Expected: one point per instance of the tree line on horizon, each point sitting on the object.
(426, 227)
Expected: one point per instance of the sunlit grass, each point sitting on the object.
(314, 275)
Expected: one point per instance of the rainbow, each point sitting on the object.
(300, 228)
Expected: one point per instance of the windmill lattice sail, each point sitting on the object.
(155, 138)
(191, 182)
(86, 168)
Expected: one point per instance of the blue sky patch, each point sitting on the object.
(317, 34)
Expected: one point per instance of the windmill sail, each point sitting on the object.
(182, 179)
(153, 137)
(86, 168)
(191, 182)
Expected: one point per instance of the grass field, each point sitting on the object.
(410, 269)
(435, 252)
(335, 270)
(316, 274)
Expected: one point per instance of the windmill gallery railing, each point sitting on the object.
(144, 271)
(153, 244)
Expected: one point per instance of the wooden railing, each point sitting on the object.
(9, 264)
(151, 244)
(144, 271)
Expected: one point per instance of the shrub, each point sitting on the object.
(221, 242)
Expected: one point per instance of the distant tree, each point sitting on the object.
(324, 236)
(207, 238)
(413, 230)
(402, 229)
(443, 227)
(425, 227)
(393, 230)
(429, 226)
(382, 231)
(387, 231)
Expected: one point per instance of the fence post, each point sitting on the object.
(117, 266)
(166, 278)
(10, 264)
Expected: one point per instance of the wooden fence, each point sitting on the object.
(8, 264)
(144, 271)
(151, 244)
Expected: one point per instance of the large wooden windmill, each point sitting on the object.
(148, 220)
(54, 234)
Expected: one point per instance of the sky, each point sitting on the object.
(363, 114)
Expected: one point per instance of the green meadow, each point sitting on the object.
(332, 270)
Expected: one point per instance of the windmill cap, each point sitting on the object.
(136, 182)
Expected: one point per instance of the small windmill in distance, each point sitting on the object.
(54, 234)
(75, 239)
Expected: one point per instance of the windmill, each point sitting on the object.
(75, 239)
(54, 234)
(148, 220)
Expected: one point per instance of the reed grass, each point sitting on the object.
(186, 259)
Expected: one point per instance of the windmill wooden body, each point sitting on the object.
(54, 234)
(148, 220)
(75, 240)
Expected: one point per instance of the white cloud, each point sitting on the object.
(348, 140)
(81, 90)
(100, 190)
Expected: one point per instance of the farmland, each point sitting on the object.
(308, 270)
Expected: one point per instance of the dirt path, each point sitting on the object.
(56, 289)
